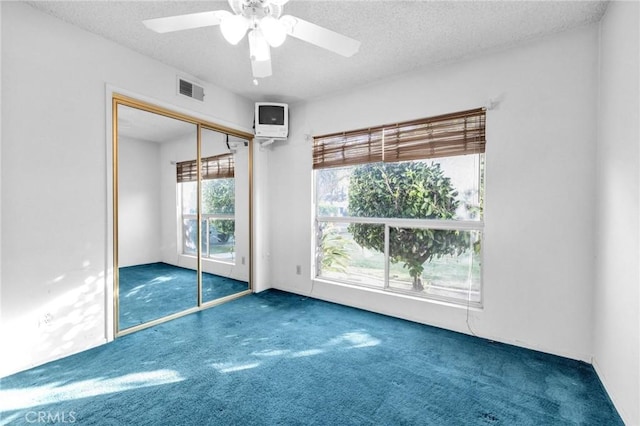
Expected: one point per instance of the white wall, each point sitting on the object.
(139, 224)
(184, 149)
(1, 209)
(539, 243)
(54, 168)
(616, 297)
(261, 279)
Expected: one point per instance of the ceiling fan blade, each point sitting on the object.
(186, 22)
(261, 69)
(236, 6)
(320, 36)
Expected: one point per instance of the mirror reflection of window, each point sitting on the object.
(225, 220)
(218, 206)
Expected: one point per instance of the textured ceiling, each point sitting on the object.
(396, 36)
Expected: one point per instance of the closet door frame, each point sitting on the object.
(119, 99)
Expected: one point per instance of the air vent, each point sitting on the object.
(190, 89)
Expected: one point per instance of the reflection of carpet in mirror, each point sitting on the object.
(155, 290)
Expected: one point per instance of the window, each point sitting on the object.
(218, 207)
(399, 207)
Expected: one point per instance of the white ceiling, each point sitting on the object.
(396, 36)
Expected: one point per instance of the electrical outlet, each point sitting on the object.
(45, 320)
(298, 270)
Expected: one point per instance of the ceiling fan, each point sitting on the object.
(267, 28)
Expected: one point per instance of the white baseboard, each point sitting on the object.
(453, 321)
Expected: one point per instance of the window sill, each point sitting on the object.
(392, 293)
(208, 259)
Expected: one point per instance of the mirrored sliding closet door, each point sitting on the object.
(225, 214)
(181, 215)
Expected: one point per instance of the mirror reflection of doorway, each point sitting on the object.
(182, 238)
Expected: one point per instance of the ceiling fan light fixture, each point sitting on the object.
(267, 28)
(233, 28)
(258, 46)
(274, 32)
(288, 22)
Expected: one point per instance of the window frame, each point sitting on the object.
(452, 225)
(373, 154)
(214, 167)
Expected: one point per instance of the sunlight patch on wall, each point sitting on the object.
(57, 279)
(54, 323)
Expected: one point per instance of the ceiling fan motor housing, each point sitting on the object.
(254, 10)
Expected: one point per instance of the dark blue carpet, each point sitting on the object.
(155, 290)
(279, 359)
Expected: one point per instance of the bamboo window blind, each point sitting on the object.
(447, 135)
(216, 167)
